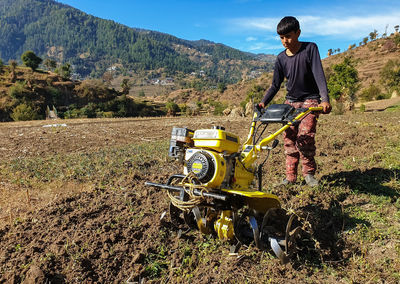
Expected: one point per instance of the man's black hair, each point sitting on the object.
(287, 25)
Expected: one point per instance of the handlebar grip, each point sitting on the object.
(316, 109)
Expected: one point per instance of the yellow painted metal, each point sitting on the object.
(249, 158)
(224, 226)
(257, 200)
(216, 139)
(220, 170)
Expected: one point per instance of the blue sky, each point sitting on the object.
(250, 25)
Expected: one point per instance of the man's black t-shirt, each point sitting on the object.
(304, 73)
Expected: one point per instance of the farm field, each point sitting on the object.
(74, 208)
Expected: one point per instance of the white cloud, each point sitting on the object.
(262, 46)
(251, 38)
(350, 27)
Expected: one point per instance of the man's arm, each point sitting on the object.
(276, 84)
(319, 76)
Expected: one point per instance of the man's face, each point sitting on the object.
(290, 40)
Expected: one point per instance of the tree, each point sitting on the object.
(50, 63)
(125, 86)
(396, 28)
(13, 65)
(343, 82)
(30, 59)
(64, 71)
(221, 87)
(373, 35)
(365, 40)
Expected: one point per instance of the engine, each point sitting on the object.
(209, 153)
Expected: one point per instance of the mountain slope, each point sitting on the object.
(58, 31)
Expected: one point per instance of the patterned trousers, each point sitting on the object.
(299, 143)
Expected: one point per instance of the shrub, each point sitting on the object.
(362, 107)
(397, 39)
(172, 108)
(24, 112)
(94, 91)
(383, 97)
(370, 93)
(64, 71)
(183, 107)
(218, 107)
(89, 111)
(19, 92)
(390, 75)
(55, 95)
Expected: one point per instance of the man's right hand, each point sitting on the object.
(261, 105)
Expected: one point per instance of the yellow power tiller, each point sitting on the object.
(220, 189)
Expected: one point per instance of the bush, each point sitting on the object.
(218, 107)
(383, 97)
(390, 75)
(172, 108)
(183, 108)
(20, 93)
(23, 112)
(64, 71)
(397, 39)
(362, 108)
(370, 93)
(94, 91)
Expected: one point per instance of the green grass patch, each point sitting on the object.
(102, 166)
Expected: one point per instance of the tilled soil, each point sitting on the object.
(122, 236)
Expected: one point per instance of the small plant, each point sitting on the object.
(18, 247)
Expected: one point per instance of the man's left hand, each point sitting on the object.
(326, 107)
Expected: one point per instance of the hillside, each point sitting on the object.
(369, 60)
(93, 45)
(29, 95)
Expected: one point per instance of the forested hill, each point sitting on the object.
(57, 31)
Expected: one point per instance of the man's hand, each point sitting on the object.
(326, 107)
(261, 105)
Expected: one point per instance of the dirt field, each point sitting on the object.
(74, 208)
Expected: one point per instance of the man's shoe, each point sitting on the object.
(285, 182)
(311, 180)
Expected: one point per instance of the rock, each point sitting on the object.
(34, 275)
(237, 111)
(249, 109)
(227, 111)
(395, 94)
